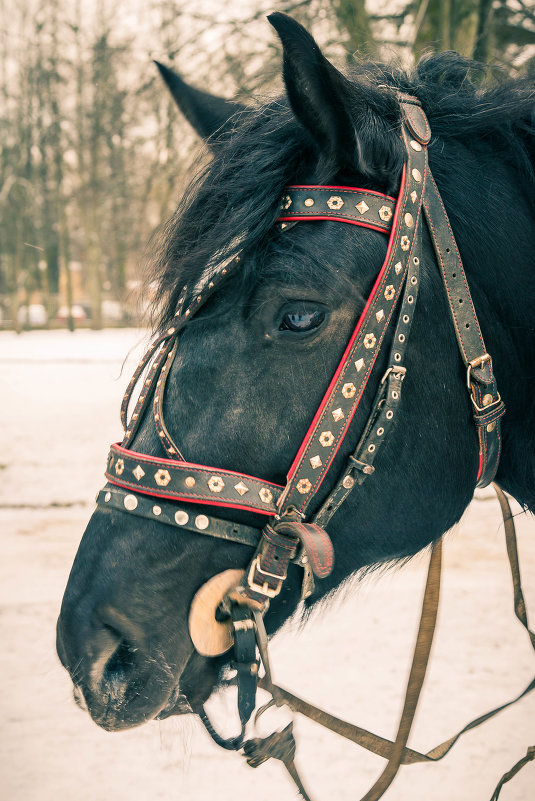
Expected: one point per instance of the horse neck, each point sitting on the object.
(491, 210)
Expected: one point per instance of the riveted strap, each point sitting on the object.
(336, 411)
(340, 203)
(167, 478)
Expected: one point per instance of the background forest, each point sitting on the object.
(93, 155)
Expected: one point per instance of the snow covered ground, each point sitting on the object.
(60, 399)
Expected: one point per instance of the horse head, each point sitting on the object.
(250, 368)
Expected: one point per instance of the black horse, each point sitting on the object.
(254, 364)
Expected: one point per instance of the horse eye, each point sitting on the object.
(302, 321)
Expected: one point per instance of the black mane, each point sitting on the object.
(233, 202)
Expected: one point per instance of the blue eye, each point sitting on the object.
(301, 321)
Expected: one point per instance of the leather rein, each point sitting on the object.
(153, 487)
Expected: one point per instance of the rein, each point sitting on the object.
(153, 487)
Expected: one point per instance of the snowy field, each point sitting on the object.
(60, 401)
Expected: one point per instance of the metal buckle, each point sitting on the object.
(399, 370)
(477, 363)
(483, 409)
(264, 588)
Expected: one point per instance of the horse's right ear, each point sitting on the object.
(209, 115)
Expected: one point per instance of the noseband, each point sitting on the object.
(153, 487)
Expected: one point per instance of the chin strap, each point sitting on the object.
(250, 635)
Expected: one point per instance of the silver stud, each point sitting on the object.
(138, 472)
(189, 481)
(156, 510)
(181, 518)
(335, 202)
(405, 243)
(416, 145)
(417, 175)
(369, 341)
(409, 220)
(390, 292)
(398, 267)
(348, 482)
(202, 522)
(491, 427)
(380, 315)
(107, 497)
(309, 202)
(130, 502)
(487, 400)
(316, 462)
(385, 213)
(304, 486)
(414, 196)
(337, 415)
(119, 467)
(241, 488)
(348, 390)
(362, 207)
(359, 364)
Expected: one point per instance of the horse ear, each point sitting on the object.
(318, 93)
(209, 115)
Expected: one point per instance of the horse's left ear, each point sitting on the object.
(347, 121)
(208, 114)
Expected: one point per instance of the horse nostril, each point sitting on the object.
(120, 664)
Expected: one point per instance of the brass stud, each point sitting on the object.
(487, 400)
(119, 467)
(189, 481)
(241, 488)
(216, 484)
(130, 502)
(359, 364)
(414, 196)
(405, 243)
(348, 390)
(362, 207)
(266, 496)
(309, 202)
(416, 145)
(369, 341)
(107, 497)
(491, 427)
(398, 267)
(304, 486)
(202, 522)
(157, 510)
(337, 415)
(283, 226)
(316, 462)
(348, 482)
(417, 175)
(286, 202)
(380, 315)
(409, 220)
(335, 202)
(390, 292)
(385, 213)
(326, 439)
(138, 472)
(181, 517)
(162, 477)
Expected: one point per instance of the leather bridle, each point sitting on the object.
(153, 487)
